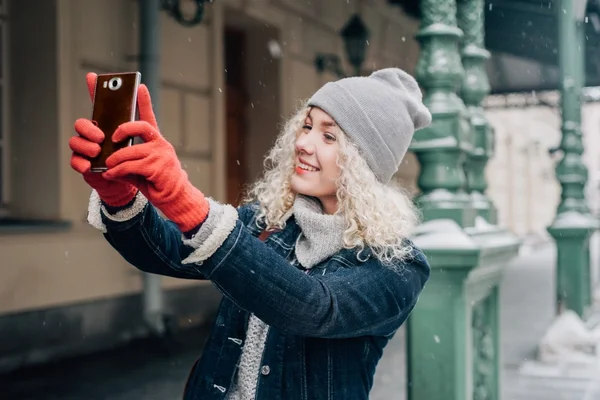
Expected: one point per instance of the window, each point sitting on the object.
(4, 159)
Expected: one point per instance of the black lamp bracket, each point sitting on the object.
(173, 8)
(329, 63)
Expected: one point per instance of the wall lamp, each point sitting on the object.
(356, 36)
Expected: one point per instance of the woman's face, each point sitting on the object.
(317, 150)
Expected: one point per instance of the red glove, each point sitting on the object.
(87, 145)
(153, 167)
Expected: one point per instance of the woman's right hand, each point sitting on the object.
(85, 146)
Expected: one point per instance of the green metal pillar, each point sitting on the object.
(442, 147)
(573, 224)
(440, 355)
(475, 86)
(487, 363)
(453, 336)
(571, 172)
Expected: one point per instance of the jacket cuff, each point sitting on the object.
(214, 230)
(96, 210)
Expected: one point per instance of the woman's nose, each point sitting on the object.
(304, 143)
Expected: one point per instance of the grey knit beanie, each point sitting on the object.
(379, 113)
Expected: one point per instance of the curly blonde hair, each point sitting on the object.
(377, 216)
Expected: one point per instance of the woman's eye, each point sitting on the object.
(307, 127)
(329, 137)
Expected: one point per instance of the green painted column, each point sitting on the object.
(439, 349)
(573, 276)
(571, 172)
(453, 346)
(474, 87)
(442, 147)
(498, 248)
(487, 368)
(453, 334)
(573, 224)
(485, 311)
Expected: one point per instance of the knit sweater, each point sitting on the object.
(322, 237)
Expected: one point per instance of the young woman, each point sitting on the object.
(316, 269)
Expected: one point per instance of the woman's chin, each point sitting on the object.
(300, 187)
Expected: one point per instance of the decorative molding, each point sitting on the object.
(546, 98)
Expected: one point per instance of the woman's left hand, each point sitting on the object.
(153, 167)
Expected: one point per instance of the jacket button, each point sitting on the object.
(265, 370)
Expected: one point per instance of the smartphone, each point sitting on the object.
(115, 102)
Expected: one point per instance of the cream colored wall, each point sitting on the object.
(591, 156)
(45, 270)
(522, 180)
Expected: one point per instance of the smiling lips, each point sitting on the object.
(304, 167)
(307, 167)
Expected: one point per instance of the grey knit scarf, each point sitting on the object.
(322, 234)
(320, 239)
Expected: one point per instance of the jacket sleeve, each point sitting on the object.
(371, 299)
(153, 244)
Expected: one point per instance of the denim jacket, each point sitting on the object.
(328, 325)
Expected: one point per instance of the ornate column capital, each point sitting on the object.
(442, 147)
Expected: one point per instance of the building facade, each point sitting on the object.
(226, 86)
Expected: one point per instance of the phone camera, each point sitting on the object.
(115, 83)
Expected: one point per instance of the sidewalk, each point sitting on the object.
(528, 296)
(151, 371)
(146, 369)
